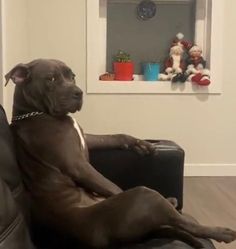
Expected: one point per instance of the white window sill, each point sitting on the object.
(140, 86)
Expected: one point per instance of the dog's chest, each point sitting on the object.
(79, 132)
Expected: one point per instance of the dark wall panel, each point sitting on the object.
(150, 40)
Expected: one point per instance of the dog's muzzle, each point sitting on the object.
(78, 94)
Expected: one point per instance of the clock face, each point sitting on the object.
(146, 10)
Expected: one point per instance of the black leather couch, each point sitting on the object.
(163, 172)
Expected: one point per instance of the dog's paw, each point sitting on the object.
(173, 201)
(141, 147)
(225, 235)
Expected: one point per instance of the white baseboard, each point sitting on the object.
(210, 169)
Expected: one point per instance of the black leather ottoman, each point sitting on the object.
(162, 171)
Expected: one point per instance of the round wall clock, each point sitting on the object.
(146, 9)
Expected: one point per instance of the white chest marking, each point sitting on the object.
(79, 132)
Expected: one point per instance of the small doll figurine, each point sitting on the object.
(175, 64)
(196, 67)
(179, 40)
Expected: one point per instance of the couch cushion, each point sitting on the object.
(9, 171)
(166, 244)
(13, 231)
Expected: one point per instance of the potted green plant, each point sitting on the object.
(123, 66)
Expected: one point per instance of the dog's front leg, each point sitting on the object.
(103, 141)
(119, 141)
(86, 176)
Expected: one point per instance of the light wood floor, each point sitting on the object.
(212, 201)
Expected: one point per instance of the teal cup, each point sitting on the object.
(151, 71)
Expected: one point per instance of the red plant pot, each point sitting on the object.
(123, 70)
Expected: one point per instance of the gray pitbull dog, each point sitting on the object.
(68, 194)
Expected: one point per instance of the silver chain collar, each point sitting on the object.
(27, 115)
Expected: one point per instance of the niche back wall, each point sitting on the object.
(149, 40)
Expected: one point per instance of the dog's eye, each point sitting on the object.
(51, 79)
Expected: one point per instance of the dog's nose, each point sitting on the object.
(78, 94)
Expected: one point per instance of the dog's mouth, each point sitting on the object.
(64, 101)
(78, 99)
(80, 104)
(76, 106)
(72, 101)
(68, 105)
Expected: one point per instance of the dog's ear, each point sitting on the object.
(19, 74)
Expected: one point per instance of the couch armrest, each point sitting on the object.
(162, 171)
(13, 230)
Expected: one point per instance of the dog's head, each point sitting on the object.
(47, 86)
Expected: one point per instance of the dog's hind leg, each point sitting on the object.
(219, 234)
(134, 214)
(173, 233)
(149, 211)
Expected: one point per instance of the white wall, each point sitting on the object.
(15, 41)
(205, 126)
